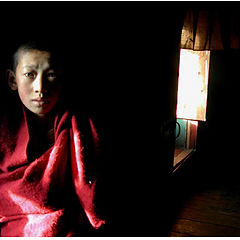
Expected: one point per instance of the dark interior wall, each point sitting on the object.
(122, 64)
(218, 137)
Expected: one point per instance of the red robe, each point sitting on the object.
(53, 194)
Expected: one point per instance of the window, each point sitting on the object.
(191, 100)
(192, 84)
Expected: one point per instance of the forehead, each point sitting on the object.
(33, 58)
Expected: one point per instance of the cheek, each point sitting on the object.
(24, 91)
(56, 91)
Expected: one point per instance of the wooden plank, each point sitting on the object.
(217, 195)
(211, 217)
(228, 199)
(221, 190)
(221, 207)
(214, 199)
(199, 229)
(176, 234)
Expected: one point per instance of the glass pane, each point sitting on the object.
(193, 84)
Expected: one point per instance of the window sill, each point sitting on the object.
(180, 156)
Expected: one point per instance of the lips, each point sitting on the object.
(40, 101)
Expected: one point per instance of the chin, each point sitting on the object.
(41, 112)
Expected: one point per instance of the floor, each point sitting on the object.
(211, 208)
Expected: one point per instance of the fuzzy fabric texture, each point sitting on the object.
(53, 195)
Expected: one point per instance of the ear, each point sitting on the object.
(11, 79)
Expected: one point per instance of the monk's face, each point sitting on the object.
(37, 82)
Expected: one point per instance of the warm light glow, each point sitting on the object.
(195, 123)
(192, 84)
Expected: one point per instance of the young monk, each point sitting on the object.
(47, 154)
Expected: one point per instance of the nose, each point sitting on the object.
(38, 86)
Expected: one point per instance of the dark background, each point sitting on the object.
(218, 137)
(122, 66)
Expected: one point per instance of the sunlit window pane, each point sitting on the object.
(193, 84)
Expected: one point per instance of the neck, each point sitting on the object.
(41, 133)
(44, 122)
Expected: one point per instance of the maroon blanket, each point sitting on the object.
(51, 195)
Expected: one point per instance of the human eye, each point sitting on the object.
(51, 75)
(29, 75)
